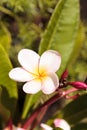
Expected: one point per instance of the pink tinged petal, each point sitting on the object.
(17, 128)
(29, 60)
(50, 83)
(50, 60)
(32, 87)
(14, 128)
(46, 127)
(61, 124)
(55, 79)
(20, 129)
(21, 75)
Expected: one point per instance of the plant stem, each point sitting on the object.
(47, 104)
(39, 118)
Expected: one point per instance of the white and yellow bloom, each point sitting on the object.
(59, 123)
(38, 72)
(13, 128)
(46, 127)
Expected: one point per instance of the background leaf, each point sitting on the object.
(4, 113)
(78, 112)
(9, 88)
(5, 37)
(81, 126)
(78, 45)
(62, 30)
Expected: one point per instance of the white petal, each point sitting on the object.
(61, 124)
(55, 79)
(29, 60)
(14, 128)
(50, 60)
(17, 128)
(46, 127)
(20, 128)
(50, 83)
(32, 87)
(21, 75)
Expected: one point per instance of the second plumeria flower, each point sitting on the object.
(14, 128)
(38, 72)
(58, 123)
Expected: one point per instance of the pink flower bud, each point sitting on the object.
(63, 79)
(79, 85)
(64, 75)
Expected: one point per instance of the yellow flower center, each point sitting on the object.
(41, 73)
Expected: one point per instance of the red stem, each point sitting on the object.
(39, 118)
(47, 103)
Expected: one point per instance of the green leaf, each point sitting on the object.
(81, 126)
(9, 88)
(4, 113)
(62, 30)
(29, 102)
(76, 110)
(5, 37)
(77, 46)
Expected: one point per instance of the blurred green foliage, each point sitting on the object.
(25, 21)
(22, 24)
(78, 70)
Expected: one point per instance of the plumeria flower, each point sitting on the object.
(46, 127)
(59, 123)
(14, 128)
(38, 72)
